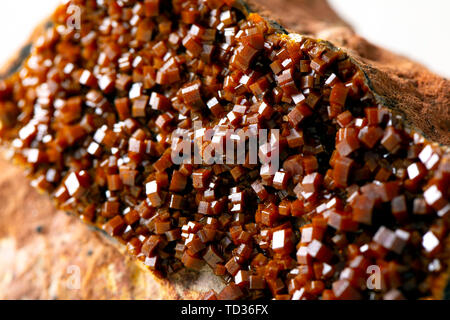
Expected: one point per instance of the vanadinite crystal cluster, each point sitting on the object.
(92, 112)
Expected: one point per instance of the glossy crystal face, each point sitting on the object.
(358, 207)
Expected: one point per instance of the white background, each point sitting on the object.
(414, 28)
(417, 29)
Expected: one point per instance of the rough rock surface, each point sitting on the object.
(404, 85)
(43, 251)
